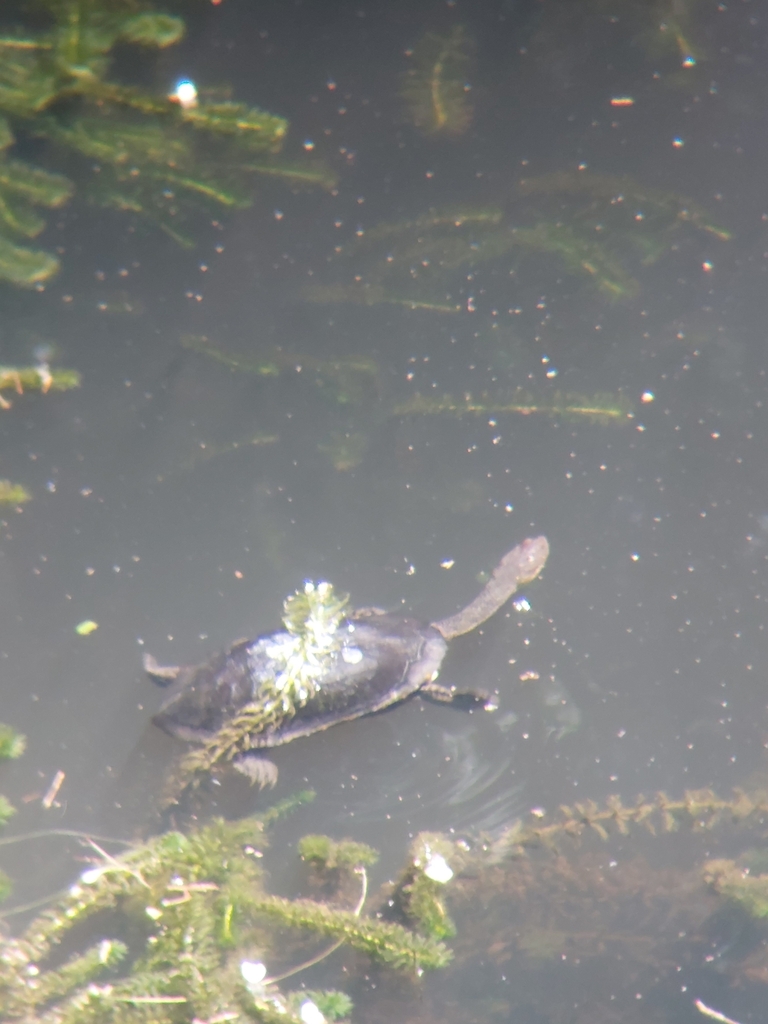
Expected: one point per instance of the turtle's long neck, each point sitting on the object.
(518, 566)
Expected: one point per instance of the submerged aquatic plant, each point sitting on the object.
(330, 854)
(159, 157)
(700, 809)
(13, 494)
(12, 745)
(435, 87)
(345, 449)
(602, 228)
(599, 408)
(179, 928)
(346, 380)
(419, 894)
(39, 377)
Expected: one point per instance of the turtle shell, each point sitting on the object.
(382, 659)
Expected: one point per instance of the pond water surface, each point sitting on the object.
(177, 501)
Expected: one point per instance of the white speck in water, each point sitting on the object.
(438, 869)
(310, 1014)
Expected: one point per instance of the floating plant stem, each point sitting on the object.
(37, 378)
(388, 942)
(700, 808)
(434, 88)
(372, 295)
(580, 254)
(347, 380)
(622, 189)
(234, 361)
(598, 408)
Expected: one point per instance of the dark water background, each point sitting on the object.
(650, 614)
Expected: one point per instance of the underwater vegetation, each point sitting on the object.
(617, 899)
(663, 28)
(13, 494)
(344, 449)
(344, 380)
(12, 745)
(181, 928)
(39, 377)
(355, 384)
(672, 36)
(600, 228)
(435, 88)
(161, 158)
(347, 383)
(598, 408)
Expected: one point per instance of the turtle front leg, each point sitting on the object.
(462, 699)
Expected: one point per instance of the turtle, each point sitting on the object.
(376, 659)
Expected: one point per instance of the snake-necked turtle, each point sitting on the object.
(328, 665)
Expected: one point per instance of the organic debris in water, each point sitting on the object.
(13, 494)
(602, 228)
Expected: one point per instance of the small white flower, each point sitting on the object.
(438, 869)
(310, 1014)
(351, 655)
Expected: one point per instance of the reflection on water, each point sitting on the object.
(594, 230)
(464, 791)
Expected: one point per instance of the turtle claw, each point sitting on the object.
(258, 770)
(463, 699)
(163, 675)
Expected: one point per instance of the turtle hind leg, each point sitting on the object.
(163, 675)
(464, 700)
(260, 771)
